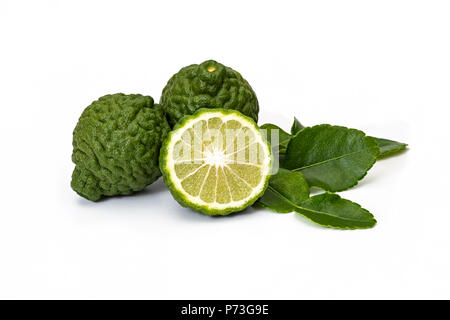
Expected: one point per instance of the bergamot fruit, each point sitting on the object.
(216, 161)
(208, 85)
(116, 146)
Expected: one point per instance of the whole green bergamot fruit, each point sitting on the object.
(207, 85)
(116, 145)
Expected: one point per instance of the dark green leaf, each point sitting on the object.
(331, 157)
(389, 147)
(296, 126)
(286, 190)
(283, 137)
(330, 210)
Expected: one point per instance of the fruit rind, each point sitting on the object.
(183, 199)
(116, 145)
(207, 85)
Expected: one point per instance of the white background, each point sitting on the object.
(379, 66)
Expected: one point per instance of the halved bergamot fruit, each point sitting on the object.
(216, 161)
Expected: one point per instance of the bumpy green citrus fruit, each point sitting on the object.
(216, 161)
(116, 146)
(208, 85)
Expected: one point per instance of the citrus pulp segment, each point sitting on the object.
(216, 161)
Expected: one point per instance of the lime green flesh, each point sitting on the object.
(219, 168)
